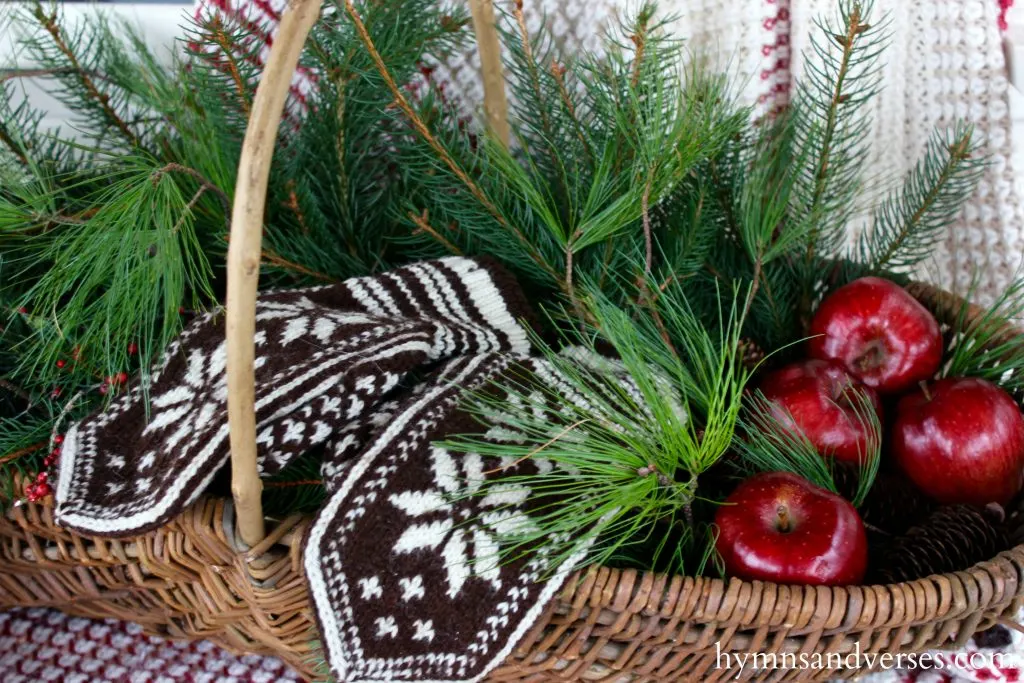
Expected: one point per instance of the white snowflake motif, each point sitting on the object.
(181, 408)
(412, 588)
(306, 320)
(497, 516)
(386, 627)
(371, 588)
(424, 630)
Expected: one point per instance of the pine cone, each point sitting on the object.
(953, 538)
(750, 353)
(893, 504)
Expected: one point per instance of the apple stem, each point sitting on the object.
(783, 513)
(924, 389)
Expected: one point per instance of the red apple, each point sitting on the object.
(823, 401)
(961, 440)
(779, 527)
(883, 336)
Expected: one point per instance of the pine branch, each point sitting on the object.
(986, 342)
(269, 257)
(422, 223)
(49, 23)
(424, 132)
(842, 75)
(8, 140)
(853, 29)
(911, 221)
(628, 445)
(221, 39)
(772, 443)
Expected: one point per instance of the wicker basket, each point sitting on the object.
(220, 572)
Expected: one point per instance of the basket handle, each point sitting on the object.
(246, 236)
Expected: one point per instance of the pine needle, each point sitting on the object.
(772, 443)
(627, 439)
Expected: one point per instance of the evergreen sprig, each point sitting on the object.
(986, 342)
(628, 447)
(602, 142)
(841, 76)
(771, 442)
(909, 223)
(113, 227)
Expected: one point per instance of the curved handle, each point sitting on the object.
(243, 262)
(246, 237)
(489, 47)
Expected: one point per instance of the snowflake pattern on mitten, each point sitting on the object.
(325, 357)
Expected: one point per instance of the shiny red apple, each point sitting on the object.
(961, 440)
(779, 527)
(883, 336)
(823, 401)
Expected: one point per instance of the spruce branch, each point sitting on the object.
(51, 26)
(424, 132)
(842, 75)
(220, 38)
(22, 452)
(910, 222)
(853, 29)
(272, 258)
(422, 223)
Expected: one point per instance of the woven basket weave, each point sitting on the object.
(220, 571)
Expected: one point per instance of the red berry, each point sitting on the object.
(59, 439)
(23, 310)
(49, 460)
(42, 477)
(38, 491)
(122, 377)
(56, 392)
(104, 388)
(61, 363)
(76, 353)
(181, 310)
(133, 348)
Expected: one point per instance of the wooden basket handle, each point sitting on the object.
(246, 237)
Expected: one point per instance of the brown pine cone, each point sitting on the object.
(750, 353)
(952, 538)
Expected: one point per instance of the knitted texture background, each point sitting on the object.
(45, 646)
(945, 61)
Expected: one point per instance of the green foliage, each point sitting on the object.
(297, 489)
(987, 342)
(602, 141)
(772, 443)
(637, 202)
(909, 224)
(627, 455)
(841, 76)
(114, 228)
